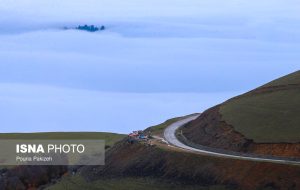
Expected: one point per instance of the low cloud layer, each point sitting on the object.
(155, 60)
(27, 108)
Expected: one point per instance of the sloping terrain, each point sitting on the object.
(265, 121)
(77, 182)
(159, 129)
(138, 166)
(167, 166)
(269, 114)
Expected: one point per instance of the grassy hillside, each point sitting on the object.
(110, 138)
(268, 114)
(78, 183)
(158, 129)
(137, 166)
(293, 78)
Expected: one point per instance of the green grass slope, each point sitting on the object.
(293, 78)
(159, 129)
(78, 183)
(269, 114)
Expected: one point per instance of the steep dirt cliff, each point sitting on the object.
(210, 130)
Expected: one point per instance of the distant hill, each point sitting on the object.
(265, 120)
(87, 28)
(90, 28)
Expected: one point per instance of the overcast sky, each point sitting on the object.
(155, 60)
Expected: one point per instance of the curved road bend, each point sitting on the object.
(170, 137)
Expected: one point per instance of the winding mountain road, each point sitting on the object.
(170, 137)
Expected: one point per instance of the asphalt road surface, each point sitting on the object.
(170, 137)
